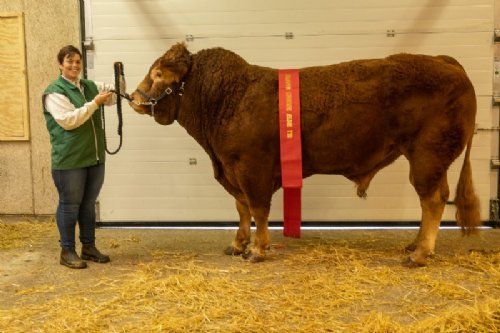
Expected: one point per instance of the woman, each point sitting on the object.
(71, 111)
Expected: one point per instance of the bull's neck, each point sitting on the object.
(206, 89)
(187, 115)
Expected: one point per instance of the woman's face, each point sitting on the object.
(71, 67)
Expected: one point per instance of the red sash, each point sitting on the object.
(290, 150)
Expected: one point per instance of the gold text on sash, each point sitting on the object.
(288, 105)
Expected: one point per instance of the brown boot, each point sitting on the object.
(70, 259)
(90, 252)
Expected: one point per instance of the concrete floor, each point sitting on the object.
(35, 263)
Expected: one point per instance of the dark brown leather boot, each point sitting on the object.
(90, 252)
(70, 259)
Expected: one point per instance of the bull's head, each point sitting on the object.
(158, 94)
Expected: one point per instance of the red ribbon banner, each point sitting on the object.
(290, 150)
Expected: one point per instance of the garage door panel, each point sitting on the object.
(278, 29)
(189, 6)
(313, 53)
(385, 176)
(168, 19)
(137, 63)
(309, 203)
(162, 174)
(158, 46)
(216, 191)
(230, 214)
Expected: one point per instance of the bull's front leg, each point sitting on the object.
(242, 238)
(257, 252)
(254, 176)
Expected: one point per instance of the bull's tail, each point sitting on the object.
(466, 200)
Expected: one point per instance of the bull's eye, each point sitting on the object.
(158, 74)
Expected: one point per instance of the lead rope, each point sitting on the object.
(118, 67)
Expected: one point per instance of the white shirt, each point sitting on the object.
(66, 114)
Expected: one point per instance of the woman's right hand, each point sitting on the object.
(102, 97)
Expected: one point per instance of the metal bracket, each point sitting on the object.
(485, 129)
(88, 44)
(189, 38)
(496, 35)
(289, 35)
(496, 100)
(495, 163)
(391, 33)
(495, 213)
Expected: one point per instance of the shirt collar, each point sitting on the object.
(77, 83)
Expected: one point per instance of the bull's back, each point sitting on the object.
(357, 114)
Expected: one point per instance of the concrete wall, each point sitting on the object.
(26, 185)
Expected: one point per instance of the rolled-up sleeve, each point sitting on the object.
(104, 87)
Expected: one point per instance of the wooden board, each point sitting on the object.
(13, 83)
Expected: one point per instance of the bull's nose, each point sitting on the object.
(133, 96)
(136, 106)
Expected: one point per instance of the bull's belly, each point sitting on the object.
(349, 165)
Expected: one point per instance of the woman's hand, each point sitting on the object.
(102, 98)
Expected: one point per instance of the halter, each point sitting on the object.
(118, 68)
(153, 101)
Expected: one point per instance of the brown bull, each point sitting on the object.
(357, 117)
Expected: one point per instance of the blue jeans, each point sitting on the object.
(78, 190)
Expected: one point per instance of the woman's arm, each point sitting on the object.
(65, 113)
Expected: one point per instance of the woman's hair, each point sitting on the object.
(67, 50)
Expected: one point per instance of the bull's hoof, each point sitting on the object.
(361, 193)
(253, 257)
(411, 247)
(411, 263)
(233, 251)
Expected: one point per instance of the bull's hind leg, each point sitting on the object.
(430, 155)
(413, 245)
(242, 238)
(432, 187)
(432, 211)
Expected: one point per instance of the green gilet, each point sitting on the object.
(80, 147)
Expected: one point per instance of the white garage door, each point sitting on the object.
(152, 179)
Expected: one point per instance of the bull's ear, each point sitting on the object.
(177, 60)
(178, 69)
